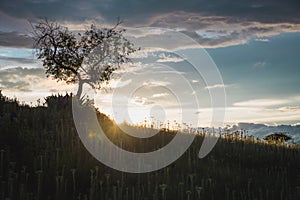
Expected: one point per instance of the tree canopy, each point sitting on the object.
(278, 137)
(84, 57)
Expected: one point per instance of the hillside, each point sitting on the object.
(42, 157)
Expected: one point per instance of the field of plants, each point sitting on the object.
(42, 157)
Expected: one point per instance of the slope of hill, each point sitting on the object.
(42, 157)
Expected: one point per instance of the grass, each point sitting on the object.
(41, 157)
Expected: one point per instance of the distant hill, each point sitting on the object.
(262, 130)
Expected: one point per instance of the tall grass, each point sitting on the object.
(42, 157)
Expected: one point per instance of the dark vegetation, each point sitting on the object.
(41, 157)
(279, 137)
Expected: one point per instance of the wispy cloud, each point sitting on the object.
(211, 34)
(209, 87)
(262, 40)
(163, 58)
(137, 100)
(262, 102)
(156, 83)
(220, 31)
(158, 95)
(255, 114)
(130, 67)
(260, 64)
(15, 39)
(117, 83)
(289, 109)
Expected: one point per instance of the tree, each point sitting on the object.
(84, 58)
(279, 137)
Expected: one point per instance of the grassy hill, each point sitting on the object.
(42, 157)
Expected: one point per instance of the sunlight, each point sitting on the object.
(154, 115)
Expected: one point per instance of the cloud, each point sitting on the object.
(296, 98)
(213, 24)
(168, 58)
(216, 86)
(141, 101)
(289, 109)
(117, 83)
(208, 31)
(259, 64)
(158, 95)
(130, 67)
(213, 35)
(262, 102)
(211, 31)
(13, 24)
(139, 12)
(30, 80)
(17, 60)
(254, 114)
(15, 57)
(18, 79)
(262, 39)
(268, 111)
(220, 31)
(156, 83)
(15, 39)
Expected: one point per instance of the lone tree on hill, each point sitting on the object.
(279, 137)
(89, 57)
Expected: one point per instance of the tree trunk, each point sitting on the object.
(79, 90)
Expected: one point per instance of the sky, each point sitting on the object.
(254, 44)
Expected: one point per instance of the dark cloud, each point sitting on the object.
(15, 39)
(214, 31)
(140, 11)
(238, 20)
